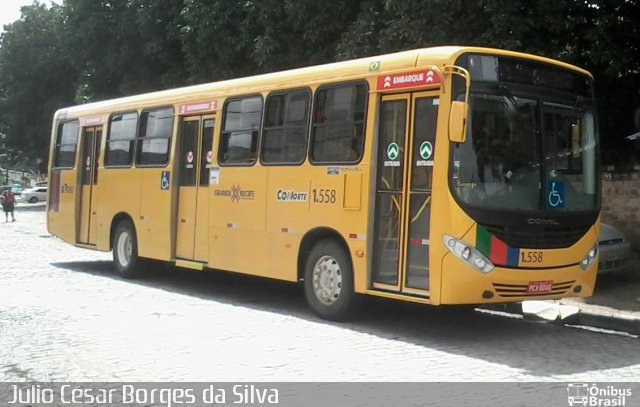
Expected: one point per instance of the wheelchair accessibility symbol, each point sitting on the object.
(555, 194)
(164, 182)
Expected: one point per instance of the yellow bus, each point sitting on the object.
(448, 175)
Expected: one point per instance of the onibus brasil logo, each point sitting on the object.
(584, 394)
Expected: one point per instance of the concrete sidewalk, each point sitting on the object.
(615, 304)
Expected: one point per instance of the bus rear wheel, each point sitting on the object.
(125, 250)
(328, 281)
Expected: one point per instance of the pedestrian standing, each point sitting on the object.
(8, 204)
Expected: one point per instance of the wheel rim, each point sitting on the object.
(124, 248)
(327, 280)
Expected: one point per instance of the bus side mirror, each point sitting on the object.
(458, 122)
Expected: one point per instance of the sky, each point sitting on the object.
(10, 10)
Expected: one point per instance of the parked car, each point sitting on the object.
(615, 250)
(34, 195)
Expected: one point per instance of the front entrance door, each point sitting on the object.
(406, 144)
(91, 137)
(195, 156)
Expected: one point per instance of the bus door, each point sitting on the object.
(91, 138)
(406, 142)
(195, 156)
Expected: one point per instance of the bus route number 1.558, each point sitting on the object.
(527, 257)
(324, 196)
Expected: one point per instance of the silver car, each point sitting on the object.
(615, 250)
(34, 195)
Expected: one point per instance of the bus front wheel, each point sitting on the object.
(328, 280)
(125, 250)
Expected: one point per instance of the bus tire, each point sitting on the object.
(328, 281)
(125, 250)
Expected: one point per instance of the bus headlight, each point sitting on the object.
(589, 258)
(468, 254)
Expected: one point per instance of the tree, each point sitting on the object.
(97, 49)
(233, 38)
(123, 47)
(36, 79)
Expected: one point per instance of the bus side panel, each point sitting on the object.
(287, 218)
(117, 192)
(154, 230)
(238, 239)
(331, 207)
(62, 205)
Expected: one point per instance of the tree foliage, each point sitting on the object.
(36, 79)
(87, 50)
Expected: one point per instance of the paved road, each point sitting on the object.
(65, 316)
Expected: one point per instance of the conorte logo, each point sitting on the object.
(584, 394)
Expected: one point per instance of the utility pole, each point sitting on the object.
(6, 169)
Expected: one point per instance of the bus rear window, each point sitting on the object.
(66, 142)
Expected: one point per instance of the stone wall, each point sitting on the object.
(621, 204)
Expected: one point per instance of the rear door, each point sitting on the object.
(90, 141)
(195, 157)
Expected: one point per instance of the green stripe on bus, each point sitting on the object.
(483, 241)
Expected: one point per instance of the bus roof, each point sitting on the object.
(300, 77)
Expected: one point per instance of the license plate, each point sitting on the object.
(536, 287)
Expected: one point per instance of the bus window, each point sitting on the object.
(239, 136)
(120, 139)
(154, 137)
(285, 130)
(66, 141)
(338, 123)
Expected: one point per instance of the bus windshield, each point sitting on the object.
(525, 153)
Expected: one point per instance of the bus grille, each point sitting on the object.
(544, 238)
(520, 290)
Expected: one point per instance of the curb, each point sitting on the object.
(600, 318)
(30, 207)
(604, 317)
(613, 321)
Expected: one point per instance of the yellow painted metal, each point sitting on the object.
(201, 241)
(186, 221)
(352, 191)
(155, 222)
(398, 296)
(85, 212)
(193, 265)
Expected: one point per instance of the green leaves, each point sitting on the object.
(87, 50)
